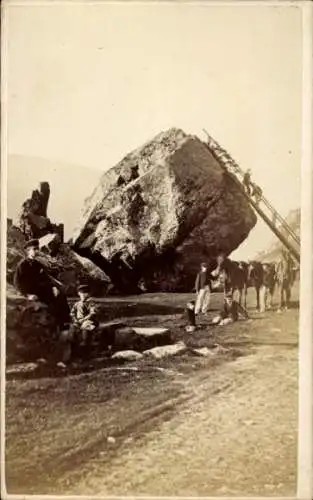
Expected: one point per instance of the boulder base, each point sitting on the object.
(31, 331)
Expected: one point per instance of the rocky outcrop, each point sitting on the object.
(164, 208)
(64, 265)
(33, 220)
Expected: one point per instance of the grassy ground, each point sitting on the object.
(220, 425)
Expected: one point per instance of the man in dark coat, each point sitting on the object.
(33, 280)
(231, 311)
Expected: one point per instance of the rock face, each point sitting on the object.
(31, 330)
(162, 210)
(65, 265)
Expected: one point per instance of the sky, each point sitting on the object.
(87, 83)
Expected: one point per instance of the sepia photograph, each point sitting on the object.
(155, 209)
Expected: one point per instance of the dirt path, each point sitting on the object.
(188, 426)
(236, 436)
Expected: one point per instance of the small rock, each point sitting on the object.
(127, 355)
(62, 365)
(128, 369)
(111, 439)
(203, 351)
(42, 361)
(166, 350)
(220, 349)
(21, 368)
(249, 422)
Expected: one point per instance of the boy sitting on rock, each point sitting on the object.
(231, 311)
(84, 317)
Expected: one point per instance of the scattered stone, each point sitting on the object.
(42, 361)
(126, 338)
(61, 365)
(111, 439)
(166, 350)
(249, 422)
(152, 337)
(151, 331)
(127, 355)
(21, 368)
(137, 339)
(220, 349)
(203, 351)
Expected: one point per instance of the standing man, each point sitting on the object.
(203, 289)
(33, 280)
(284, 279)
(247, 181)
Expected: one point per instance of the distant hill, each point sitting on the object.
(272, 253)
(69, 184)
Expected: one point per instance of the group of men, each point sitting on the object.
(75, 327)
(263, 276)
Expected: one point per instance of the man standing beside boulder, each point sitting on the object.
(203, 289)
(33, 280)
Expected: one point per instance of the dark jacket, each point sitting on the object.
(203, 279)
(31, 277)
(247, 178)
(190, 316)
(233, 311)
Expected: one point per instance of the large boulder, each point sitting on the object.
(164, 208)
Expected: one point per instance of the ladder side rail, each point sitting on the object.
(285, 242)
(282, 221)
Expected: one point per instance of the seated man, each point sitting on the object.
(84, 317)
(231, 312)
(33, 280)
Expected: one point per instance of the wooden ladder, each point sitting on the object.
(262, 206)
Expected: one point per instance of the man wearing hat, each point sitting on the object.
(247, 181)
(33, 280)
(231, 311)
(84, 317)
(203, 289)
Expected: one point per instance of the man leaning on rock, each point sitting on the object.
(33, 280)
